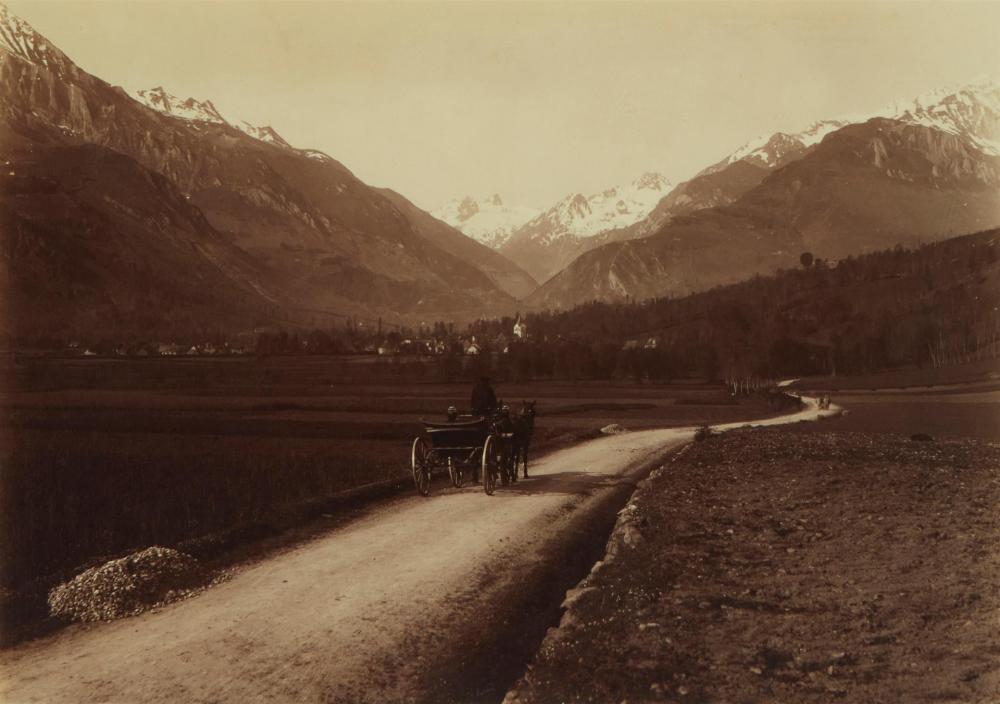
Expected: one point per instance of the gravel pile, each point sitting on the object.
(613, 429)
(127, 586)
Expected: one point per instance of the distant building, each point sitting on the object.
(473, 348)
(520, 328)
(169, 349)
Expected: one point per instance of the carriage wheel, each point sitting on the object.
(490, 465)
(456, 474)
(420, 460)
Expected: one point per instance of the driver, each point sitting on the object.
(484, 400)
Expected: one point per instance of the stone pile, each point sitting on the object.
(127, 586)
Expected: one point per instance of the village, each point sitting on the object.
(353, 340)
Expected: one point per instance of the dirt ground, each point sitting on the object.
(781, 566)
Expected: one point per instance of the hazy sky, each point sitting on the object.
(529, 100)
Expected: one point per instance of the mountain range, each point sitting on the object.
(138, 212)
(291, 235)
(840, 187)
(550, 241)
(547, 244)
(486, 220)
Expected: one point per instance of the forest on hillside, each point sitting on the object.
(933, 305)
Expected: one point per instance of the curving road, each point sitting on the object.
(419, 600)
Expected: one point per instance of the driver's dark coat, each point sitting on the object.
(484, 400)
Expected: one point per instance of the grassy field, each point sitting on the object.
(983, 371)
(99, 457)
(957, 415)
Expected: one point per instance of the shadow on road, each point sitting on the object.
(564, 483)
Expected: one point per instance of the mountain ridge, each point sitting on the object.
(863, 187)
(319, 238)
(487, 220)
(545, 244)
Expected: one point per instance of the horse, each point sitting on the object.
(524, 426)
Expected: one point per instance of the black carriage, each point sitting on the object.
(466, 444)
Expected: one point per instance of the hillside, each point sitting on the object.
(507, 276)
(93, 241)
(931, 305)
(315, 236)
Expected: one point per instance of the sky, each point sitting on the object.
(529, 100)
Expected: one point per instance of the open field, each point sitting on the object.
(103, 456)
(984, 372)
(953, 415)
(950, 402)
(774, 565)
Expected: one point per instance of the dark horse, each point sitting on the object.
(524, 426)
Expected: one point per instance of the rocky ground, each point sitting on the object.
(128, 586)
(775, 565)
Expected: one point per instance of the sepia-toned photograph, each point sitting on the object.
(499, 352)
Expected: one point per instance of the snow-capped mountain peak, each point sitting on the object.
(971, 111)
(578, 215)
(488, 220)
(188, 109)
(653, 181)
(194, 110)
(770, 151)
(17, 37)
(264, 134)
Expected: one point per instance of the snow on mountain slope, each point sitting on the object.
(20, 39)
(585, 216)
(548, 242)
(189, 109)
(771, 151)
(486, 220)
(971, 111)
(204, 111)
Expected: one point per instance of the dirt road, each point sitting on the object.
(407, 603)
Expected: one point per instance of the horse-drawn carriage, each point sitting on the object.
(488, 447)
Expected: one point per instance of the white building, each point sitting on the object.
(520, 328)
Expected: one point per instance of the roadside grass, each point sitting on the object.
(71, 496)
(979, 371)
(947, 416)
